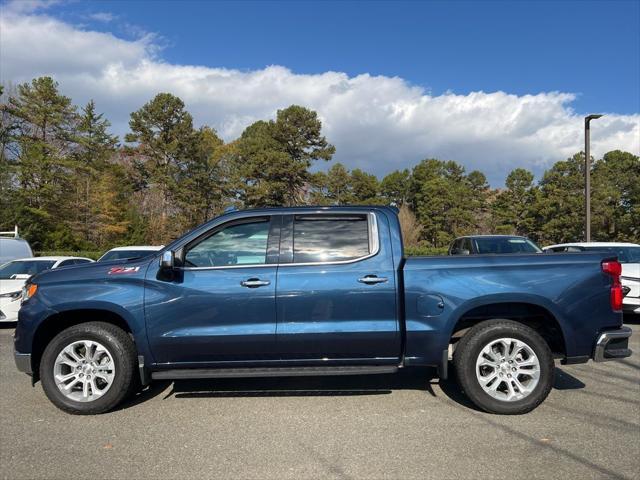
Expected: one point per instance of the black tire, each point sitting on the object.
(123, 352)
(470, 347)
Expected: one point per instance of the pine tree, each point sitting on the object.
(95, 147)
(42, 146)
(514, 208)
(275, 156)
(164, 144)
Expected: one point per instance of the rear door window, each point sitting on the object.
(335, 238)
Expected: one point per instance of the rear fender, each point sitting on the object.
(510, 298)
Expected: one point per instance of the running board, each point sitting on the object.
(181, 374)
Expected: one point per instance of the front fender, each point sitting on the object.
(134, 318)
(123, 297)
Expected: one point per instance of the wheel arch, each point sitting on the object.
(65, 318)
(528, 310)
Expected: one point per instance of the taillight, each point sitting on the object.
(614, 269)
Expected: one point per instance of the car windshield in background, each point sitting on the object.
(505, 245)
(125, 254)
(27, 267)
(624, 254)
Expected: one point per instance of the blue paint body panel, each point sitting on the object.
(205, 316)
(571, 287)
(310, 314)
(325, 312)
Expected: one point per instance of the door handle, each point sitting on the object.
(372, 279)
(254, 283)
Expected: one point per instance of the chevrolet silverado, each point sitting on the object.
(316, 291)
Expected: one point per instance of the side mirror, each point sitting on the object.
(460, 251)
(167, 260)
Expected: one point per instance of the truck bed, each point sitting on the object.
(440, 291)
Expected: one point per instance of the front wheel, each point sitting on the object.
(504, 367)
(88, 368)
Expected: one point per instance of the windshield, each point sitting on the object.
(125, 254)
(624, 254)
(506, 245)
(26, 267)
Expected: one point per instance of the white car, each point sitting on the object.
(15, 273)
(123, 253)
(628, 255)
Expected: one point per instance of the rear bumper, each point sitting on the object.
(612, 345)
(23, 362)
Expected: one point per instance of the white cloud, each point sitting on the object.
(104, 17)
(377, 123)
(28, 6)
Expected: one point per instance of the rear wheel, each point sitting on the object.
(88, 368)
(504, 367)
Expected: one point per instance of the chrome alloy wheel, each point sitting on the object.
(508, 369)
(84, 370)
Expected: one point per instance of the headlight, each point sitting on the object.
(12, 295)
(28, 291)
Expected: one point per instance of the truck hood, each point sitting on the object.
(93, 271)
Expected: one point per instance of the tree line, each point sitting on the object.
(70, 184)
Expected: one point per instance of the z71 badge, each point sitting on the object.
(121, 270)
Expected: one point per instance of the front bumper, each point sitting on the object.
(23, 362)
(612, 345)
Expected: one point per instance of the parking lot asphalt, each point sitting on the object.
(405, 426)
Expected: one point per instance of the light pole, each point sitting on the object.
(587, 174)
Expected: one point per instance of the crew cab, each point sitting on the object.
(317, 291)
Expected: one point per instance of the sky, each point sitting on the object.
(492, 85)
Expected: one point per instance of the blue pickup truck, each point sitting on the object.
(316, 291)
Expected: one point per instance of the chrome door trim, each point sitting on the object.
(374, 248)
(225, 267)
